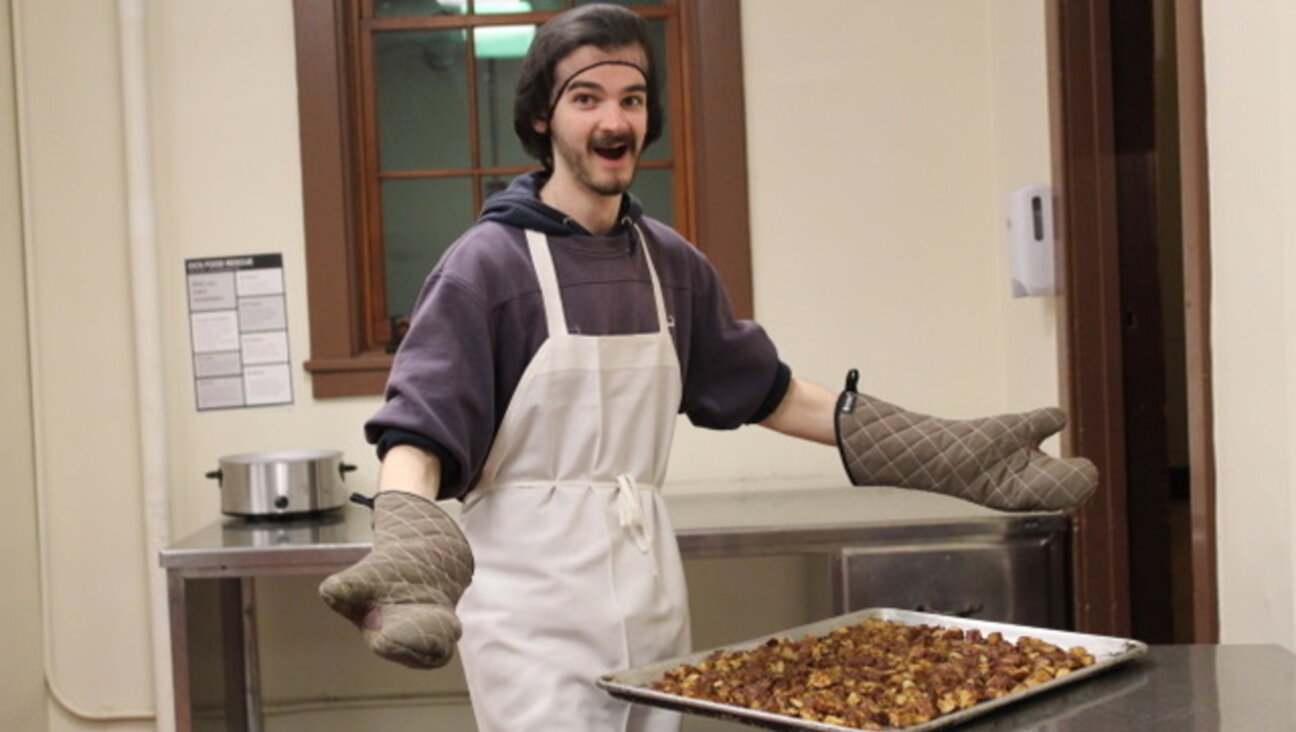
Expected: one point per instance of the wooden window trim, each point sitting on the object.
(339, 364)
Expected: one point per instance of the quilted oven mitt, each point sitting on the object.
(402, 594)
(992, 461)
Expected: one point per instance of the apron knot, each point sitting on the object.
(631, 512)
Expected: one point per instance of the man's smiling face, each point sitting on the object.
(599, 119)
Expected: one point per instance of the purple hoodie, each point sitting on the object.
(479, 319)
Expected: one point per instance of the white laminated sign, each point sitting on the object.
(238, 325)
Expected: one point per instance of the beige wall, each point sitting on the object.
(881, 147)
(1251, 113)
(22, 694)
(1021, 156)
(873, 212)
(80, 369)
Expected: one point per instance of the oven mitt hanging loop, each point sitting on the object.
(991, 461)
(403, 593)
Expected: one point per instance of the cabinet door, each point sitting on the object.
(1015, 580)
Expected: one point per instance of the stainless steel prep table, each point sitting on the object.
(937, 553)
(1171, 689)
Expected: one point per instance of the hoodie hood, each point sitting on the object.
(520, 205)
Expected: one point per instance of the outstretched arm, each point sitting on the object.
(409, 469)
(993, 461)
(403, 593)
(806, 412)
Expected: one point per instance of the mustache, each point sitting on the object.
(615, 140)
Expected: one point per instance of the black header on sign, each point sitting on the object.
(230, 264)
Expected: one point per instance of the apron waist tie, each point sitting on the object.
(631, 512)
(629, 506)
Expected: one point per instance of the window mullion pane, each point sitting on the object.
(681, 108)
(474, 138)
(422, 217)
(373, 275)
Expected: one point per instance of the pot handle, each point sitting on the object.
(344, 468)
(215, 475)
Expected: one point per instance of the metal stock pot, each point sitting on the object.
(282, 484)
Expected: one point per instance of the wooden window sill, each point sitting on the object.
(362, 375)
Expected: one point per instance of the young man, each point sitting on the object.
(548, 356)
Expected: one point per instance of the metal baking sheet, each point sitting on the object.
(636, 684)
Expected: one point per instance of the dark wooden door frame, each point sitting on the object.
(1084, 173)
(1197, 280)
(1089, 319)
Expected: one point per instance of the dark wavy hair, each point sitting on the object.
(607, 27)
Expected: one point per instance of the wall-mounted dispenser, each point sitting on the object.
(1030, 240)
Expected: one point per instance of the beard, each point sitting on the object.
(582, 162)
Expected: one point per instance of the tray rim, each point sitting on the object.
(1108, 652)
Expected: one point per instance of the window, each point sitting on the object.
(383, 84)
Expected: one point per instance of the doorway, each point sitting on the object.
(1146, 144)
(1130, 169)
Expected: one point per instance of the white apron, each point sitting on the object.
(578, 569)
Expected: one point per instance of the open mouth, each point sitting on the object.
(612, 152)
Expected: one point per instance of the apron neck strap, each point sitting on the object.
(555, 317)
(662, 323)
(542, 260)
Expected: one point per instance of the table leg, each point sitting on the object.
(177, 609)
(239, 651)
(251, 659)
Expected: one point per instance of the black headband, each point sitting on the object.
(578, 72)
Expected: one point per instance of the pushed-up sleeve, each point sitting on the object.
(733, 375)
(441, 386)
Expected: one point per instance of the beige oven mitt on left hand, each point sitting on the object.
(992, 461)
(403, 593)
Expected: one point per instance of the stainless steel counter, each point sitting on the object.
(860, 530)
(713, 524)
(1172, 689)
